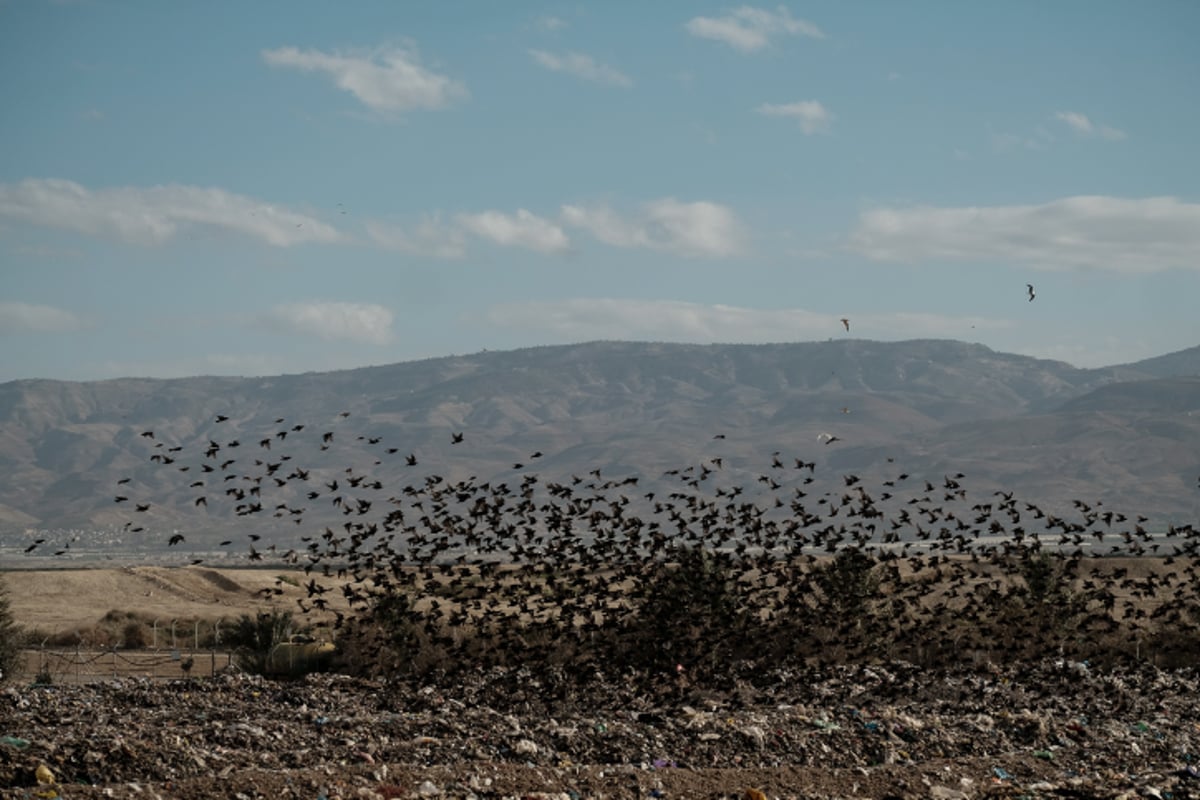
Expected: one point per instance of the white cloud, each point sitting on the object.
(152, 215)
(386, 79)
(550, 23)
(812, 116)
(749, 29)
(184, 366)
(1003, 142)
(582, 66)
(689, 229)
(361, 322)
(1085, 232)
(523, 229)
(431, 238)
(1081, 124)
(33, 318)
(582, 319)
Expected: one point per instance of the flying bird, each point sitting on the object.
(1031, 294)
(846, 323)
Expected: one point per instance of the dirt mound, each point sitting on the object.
(222, 582)
(51, 601)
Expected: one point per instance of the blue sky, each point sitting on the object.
(269, 187)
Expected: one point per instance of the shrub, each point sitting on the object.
(689, 611)
(848, 583)
(12, 638)
(253, 638)
(133, 636)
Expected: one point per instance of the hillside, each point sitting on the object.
(1129, 435)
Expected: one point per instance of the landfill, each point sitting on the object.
(1053, 728)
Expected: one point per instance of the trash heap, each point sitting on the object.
(1049, 729)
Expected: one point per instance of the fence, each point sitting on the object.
(80, 665)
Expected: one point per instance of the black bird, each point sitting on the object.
(176, 539)
(455, 438)
(221, 417)
(1029, 286)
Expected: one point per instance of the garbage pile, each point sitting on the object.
(1049, 729)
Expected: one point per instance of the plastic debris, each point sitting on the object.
(240, 734)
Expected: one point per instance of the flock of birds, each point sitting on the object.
(683, 573)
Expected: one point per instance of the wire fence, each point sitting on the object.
(83, 665)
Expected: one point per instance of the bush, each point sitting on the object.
(848, 584)
(689, 612)
(253, 638)
(133, 636)
(12, 638)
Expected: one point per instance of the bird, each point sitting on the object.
(176, 539)
(846, 324)
(455, 438)
(1029, 286)
(221, 417)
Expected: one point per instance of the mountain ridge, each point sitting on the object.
(1045, 428)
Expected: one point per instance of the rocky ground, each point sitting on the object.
(1047, 730)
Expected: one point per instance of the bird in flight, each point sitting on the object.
(455, 438)
(1031, 294)
(846, 323)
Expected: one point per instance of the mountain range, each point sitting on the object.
(1127, 436)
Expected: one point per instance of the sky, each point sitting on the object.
(230, 188)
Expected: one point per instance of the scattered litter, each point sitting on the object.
(1061, 732)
